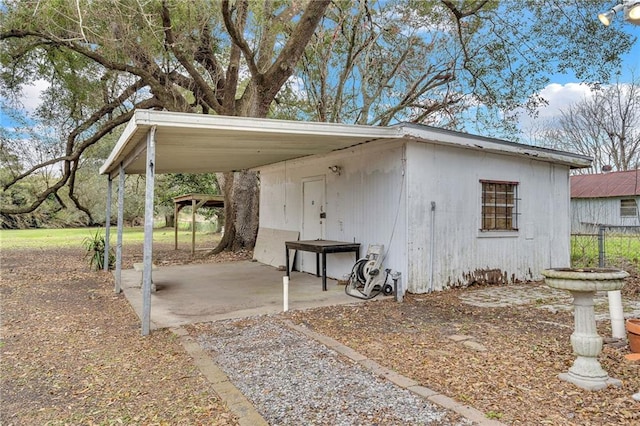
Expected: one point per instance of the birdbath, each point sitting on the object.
(586, 371)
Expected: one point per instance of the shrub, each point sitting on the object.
(95, 246)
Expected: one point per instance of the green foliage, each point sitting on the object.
(494, 415)
(411, 60)
(373, 62)
(95, 248)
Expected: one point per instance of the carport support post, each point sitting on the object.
(107, 225)
(193, 227)
(148, 232)
(176, 211)
(118, 288)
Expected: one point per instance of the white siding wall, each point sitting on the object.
(588, 213)
(450, 177)
(372, 193)
(361, 204)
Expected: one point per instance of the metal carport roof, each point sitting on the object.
(197, 143)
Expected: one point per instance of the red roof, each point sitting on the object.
(612, 184)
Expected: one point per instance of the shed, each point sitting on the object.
(605, 199)
(450, 208)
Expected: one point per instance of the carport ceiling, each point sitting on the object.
(197, 143)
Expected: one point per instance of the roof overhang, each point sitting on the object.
(481, 143)
(199, 143)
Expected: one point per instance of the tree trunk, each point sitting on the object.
(241, 201)
(169, 220)
(246, 194)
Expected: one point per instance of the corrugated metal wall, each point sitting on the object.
(588, 213)
(374, 201)
(462, 253)
(362, 203)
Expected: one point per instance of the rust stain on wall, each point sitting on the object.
(494, 276)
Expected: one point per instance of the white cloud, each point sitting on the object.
(559, 97)
(31, 94)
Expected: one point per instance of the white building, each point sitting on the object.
(451, 209)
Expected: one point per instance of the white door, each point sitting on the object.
(313, 218)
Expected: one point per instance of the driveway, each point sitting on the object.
(189, 294)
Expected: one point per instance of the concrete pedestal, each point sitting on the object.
(586, 371)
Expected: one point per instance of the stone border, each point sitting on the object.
(404, 382)
(237, 403)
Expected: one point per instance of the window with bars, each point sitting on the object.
(628, 208)
(499, 206)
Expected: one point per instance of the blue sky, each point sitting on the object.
(564, 89)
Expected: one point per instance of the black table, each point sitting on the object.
(321, 247)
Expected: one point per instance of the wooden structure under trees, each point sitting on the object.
(195, 201)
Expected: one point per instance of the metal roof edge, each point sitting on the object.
(599, 197)
(145, 118)
(467, 140)
(181, 119)
(128, 132)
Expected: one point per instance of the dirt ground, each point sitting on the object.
(513, 381)
(71, 352)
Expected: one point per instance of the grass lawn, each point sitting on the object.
(618, 249)
(73, 237)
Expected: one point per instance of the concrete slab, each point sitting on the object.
(189, 294)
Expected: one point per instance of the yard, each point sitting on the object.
(72, 351)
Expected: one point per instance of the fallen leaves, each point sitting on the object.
(514, 381)
(72, 351)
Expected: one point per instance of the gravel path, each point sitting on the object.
(293, 380)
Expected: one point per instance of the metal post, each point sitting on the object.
(118, 288)
(193, 226)
(107, 225)
(175, 225)
(148, 232)
(432, 244)
(601, 254)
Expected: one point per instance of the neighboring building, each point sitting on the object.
(450, 208)
(610, 199)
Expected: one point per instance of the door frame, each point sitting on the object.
(323, 208)
(305, 180)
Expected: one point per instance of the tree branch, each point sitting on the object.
(205, 57)
(283, 67)
(236, 32)
(233, 69)
(203, 87)
(74, 158)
